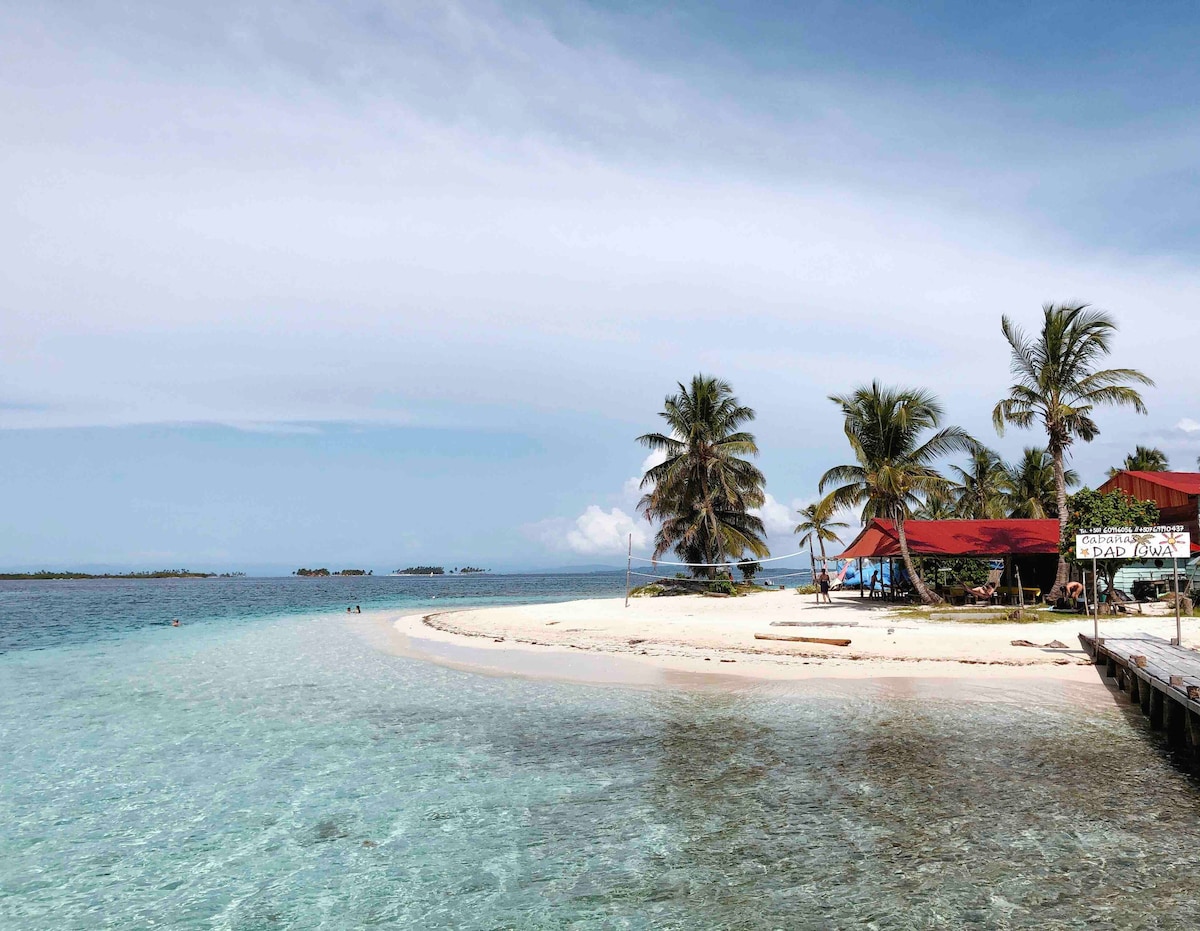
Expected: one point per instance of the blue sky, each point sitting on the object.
(381, 283)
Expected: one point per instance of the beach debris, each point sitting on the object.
(729, 661)
(1052, 645)
(828, 641)
(814, 623)
(634, 643)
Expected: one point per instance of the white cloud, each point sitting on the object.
(1187, 425)
(597, 532)
(633, 485)
(777, 517)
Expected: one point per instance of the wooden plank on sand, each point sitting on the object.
(829, 641)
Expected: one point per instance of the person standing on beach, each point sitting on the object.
(823, 582)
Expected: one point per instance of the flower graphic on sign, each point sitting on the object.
(1173, 539)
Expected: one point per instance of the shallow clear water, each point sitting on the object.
(279, 772)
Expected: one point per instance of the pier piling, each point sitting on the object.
(1162, 678)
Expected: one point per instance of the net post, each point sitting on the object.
(628, 568)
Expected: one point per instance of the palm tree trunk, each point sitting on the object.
(1060, 494)
(927, 597)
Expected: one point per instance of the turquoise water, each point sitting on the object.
(259, 769)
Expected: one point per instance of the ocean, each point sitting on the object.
(264, 766)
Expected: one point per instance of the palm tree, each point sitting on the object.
(1030, 491)
(893, 455)
(702, 492)
(979, 489)
(818, 524)
(938, 505)
(1144, 459)
(1056, 382)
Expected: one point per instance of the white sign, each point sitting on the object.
(1172, 542)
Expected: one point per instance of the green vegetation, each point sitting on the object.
(312, 573)
(980, 489)
(469, 569)
(1057, 384)
(160, 574)
(958, 615)
(887, 429)
(355, 572)
(990, 488)
(702, 492)
(422, 570)
(818, 523)
(1030, 491)
(1143, 459)
(689, 585)
(749, 568)
(957, 570)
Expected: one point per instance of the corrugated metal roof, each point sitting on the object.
(1187, 483)
(957, 538)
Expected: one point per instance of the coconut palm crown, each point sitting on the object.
(702, 492)
(1143, 459)
(979, 489)
(1057, 383)
(817, 523)
(1030, 492)
(894, 450)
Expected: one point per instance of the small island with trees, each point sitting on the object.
(46, 575)
(438, 570)
(325, 573)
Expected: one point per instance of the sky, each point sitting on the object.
(386, 283)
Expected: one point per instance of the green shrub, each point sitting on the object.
(806, 589)
(647, 591)
(722, 587)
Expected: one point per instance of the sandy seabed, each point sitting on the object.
(694, 639)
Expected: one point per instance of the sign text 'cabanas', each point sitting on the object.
(1166, 542)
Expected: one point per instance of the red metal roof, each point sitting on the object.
(1187, 483)
(957, 538)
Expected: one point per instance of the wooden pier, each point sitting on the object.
(1161, 677)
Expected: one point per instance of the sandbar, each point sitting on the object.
(704, 640)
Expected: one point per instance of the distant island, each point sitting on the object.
(325, 573)
(436, 570)
(160, 574)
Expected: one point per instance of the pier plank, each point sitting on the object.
(1147, 666)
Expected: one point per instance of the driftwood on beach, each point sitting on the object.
(829, 641)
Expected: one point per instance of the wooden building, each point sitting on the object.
(1177, 495)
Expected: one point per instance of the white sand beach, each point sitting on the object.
(698, 634)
